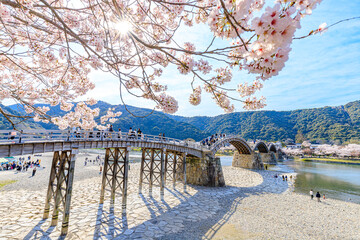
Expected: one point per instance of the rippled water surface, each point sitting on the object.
(338, 181)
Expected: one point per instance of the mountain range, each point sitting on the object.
(340, 124)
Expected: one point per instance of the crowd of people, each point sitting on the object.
(96, 161)
(212, 139)
(22, 165)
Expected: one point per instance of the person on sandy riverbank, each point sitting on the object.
(34, 171)
(311, 194)
(318, 196)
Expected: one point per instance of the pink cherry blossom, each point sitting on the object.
(48, 51)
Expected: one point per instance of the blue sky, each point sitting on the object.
(323, 70)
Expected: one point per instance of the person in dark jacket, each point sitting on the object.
(318, 196)
(34, 171)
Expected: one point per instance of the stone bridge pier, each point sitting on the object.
(268, 158)
(250, 161)
(205, 171)
(279, 155)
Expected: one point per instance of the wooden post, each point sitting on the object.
(174, 170)
(151, 171)
(58, 194)
(166, 166)
(184, 169)
(162, 173)
(103, 184)
(51, 192)
(62, 171)
(69, 183)
(115, 175)
(125, 180)
(142, 169)
(115, 159)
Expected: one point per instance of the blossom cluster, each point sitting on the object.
(350, 150)
(48, 50)
(167, 103)
(195, 97)
(110, 116)
(254, 103)
(246, 90)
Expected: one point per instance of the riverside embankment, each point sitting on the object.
(331, 160)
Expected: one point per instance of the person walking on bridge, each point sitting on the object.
(111, 129)
(119, 133)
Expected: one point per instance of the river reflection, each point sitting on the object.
(338, 181)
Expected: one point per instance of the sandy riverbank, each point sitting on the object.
(254, 205)
(41, 178)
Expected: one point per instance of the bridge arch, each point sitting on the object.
(272, 148)
(240, 144)
(261, 147)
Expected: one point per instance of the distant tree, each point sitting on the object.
(289, 141)
(306, 145)
(307, 151)
(300, 138)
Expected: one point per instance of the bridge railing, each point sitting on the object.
(14, 136)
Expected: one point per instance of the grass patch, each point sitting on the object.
(6, 182)
(330, 160)
(138, 149)
(225, 153)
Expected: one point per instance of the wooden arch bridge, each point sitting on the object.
(163, 160)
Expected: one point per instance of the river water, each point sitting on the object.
(338, 181)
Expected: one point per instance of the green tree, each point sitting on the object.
(299, 138)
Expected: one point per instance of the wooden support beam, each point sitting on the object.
(69, 183)
(58, 192)
(105, 170)
(115, 175)
(50, 192)
(125, 181)
(151, 171)
(60, 187)
(174, 169)
(162, 173)
(142, 169)
(184, 170)
(115, 162)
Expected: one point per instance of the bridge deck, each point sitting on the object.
(13, 143)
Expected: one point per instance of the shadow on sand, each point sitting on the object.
(229, 199)
(109, 226)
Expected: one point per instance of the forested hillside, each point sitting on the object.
(341, 124)
(153, 124)
(319, 124)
